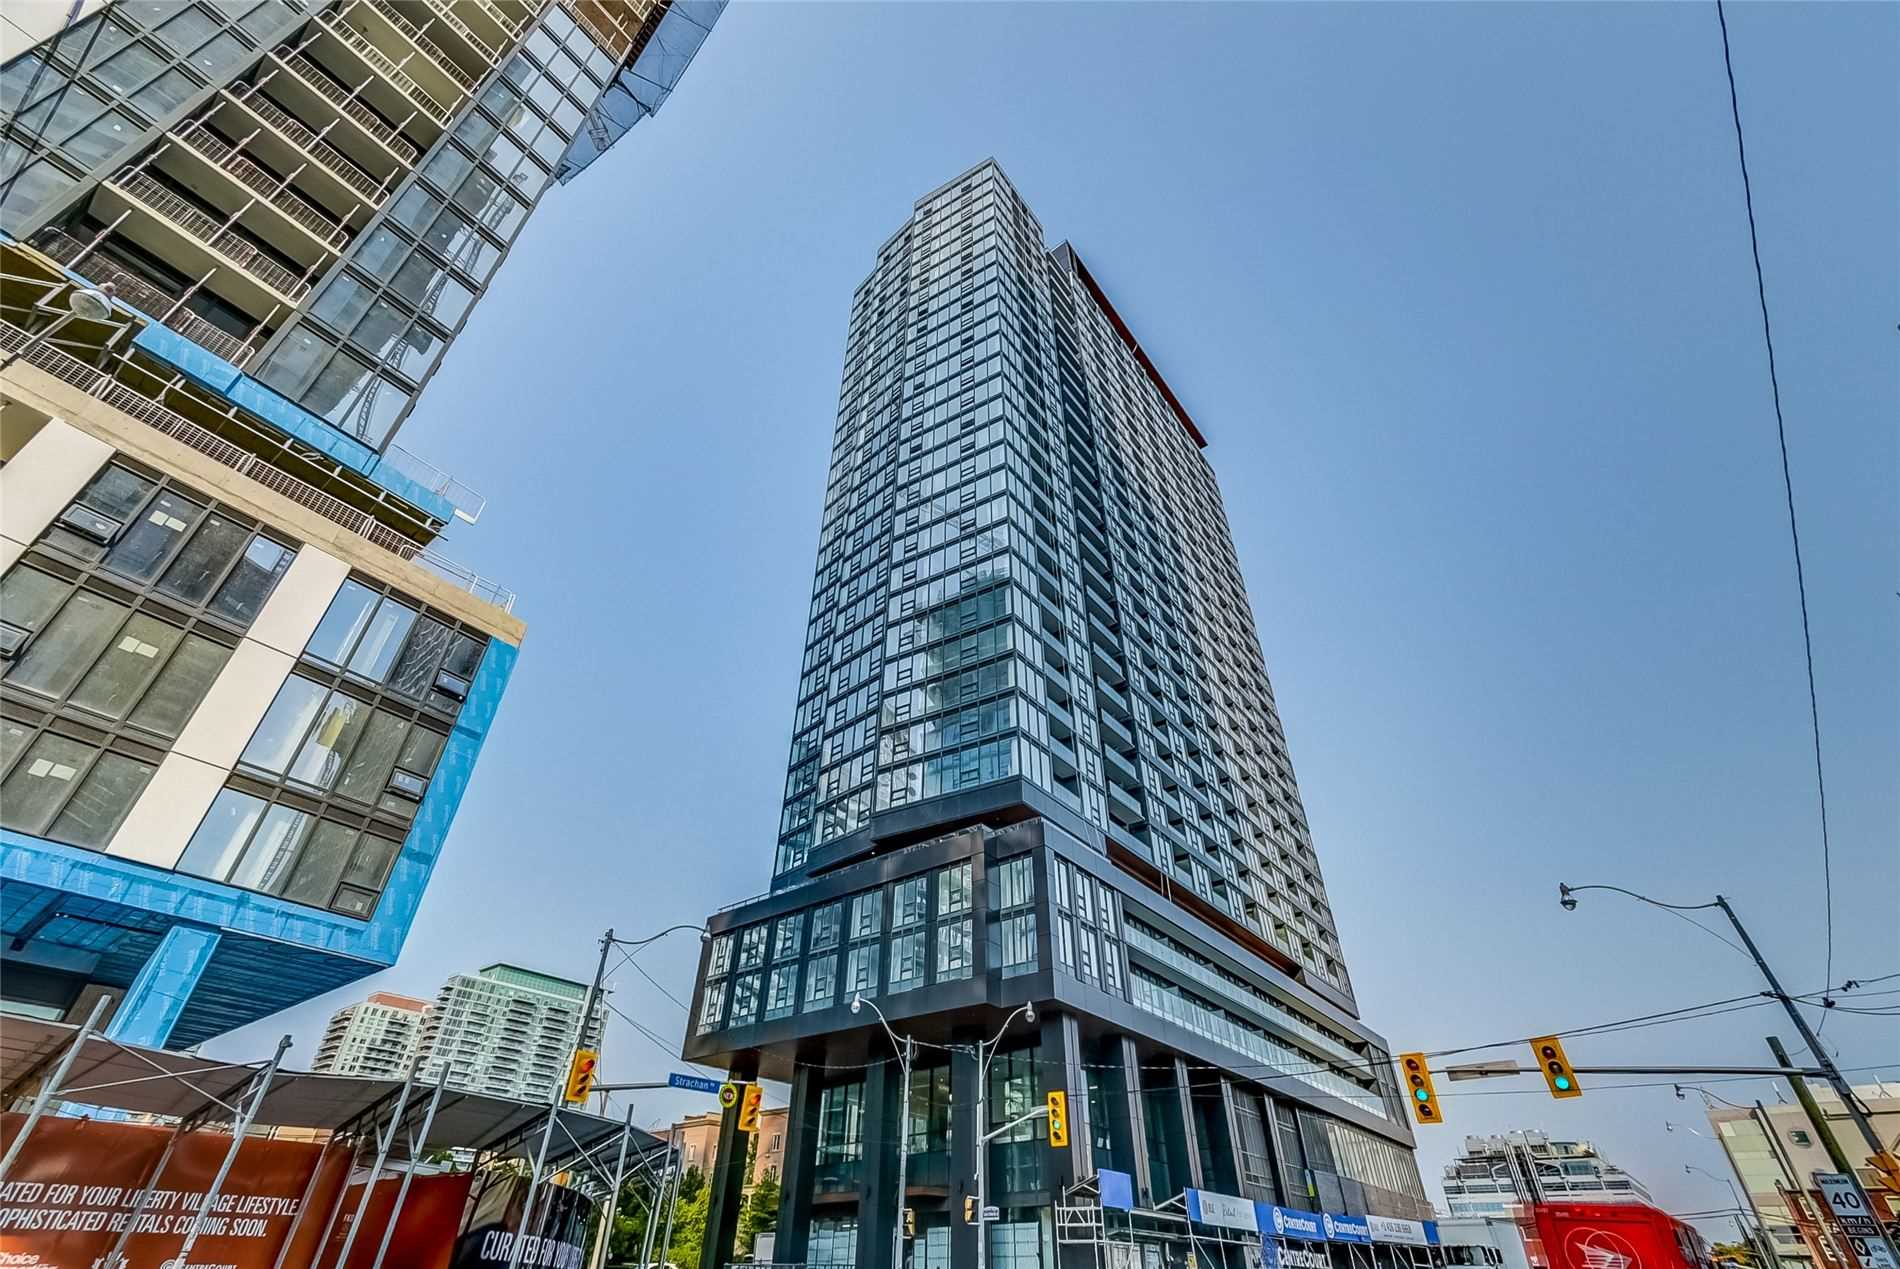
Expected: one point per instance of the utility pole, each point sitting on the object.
(1836, 1155)
(1567, 898)
(554, 1102)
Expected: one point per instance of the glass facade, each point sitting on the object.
(113, 627)
(1025, 571)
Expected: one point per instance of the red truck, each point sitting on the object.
(1611, 1236)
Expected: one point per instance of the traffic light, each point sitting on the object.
(1556, 1067)
(749, 1107)
(1418, 1088)
(910, 1222)
(1058, 1119)
(969, 1209)
(580, 1074)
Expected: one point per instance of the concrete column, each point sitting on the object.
(795, 1179)
(877, 1189)
(1187, 1169)
(729, 1175)
(157, 997)
(1128, 1120)
(964, 1131)
(1224, 1118)
(1060, 1060)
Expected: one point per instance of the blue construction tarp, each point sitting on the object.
(642, 88)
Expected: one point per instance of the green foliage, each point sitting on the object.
(689, 1223)
(760, 1213)
(692, 1184)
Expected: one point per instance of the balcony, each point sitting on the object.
(306, 74)
(440, 71)
(288, 142)
(245, 275)
(142, 294)
(485, 50)
(391, 69)
(306, 225)
(510, 28)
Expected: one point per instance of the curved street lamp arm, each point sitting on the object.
(1565, 891)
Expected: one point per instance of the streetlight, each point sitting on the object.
(92, 304)
(905, 1050)
(1741, 1226)
(1567, 897)
(1028, 1011)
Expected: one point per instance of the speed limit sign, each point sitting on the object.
(1864, 1238)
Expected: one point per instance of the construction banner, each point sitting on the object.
(563, 1225)
(424, 1237)
(77, 1184)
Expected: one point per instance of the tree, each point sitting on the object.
(629, 1234)
(760, 1213)
(692, 1184)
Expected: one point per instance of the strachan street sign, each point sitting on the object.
(693, 1083)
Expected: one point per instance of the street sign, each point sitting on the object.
(992, 1213)
(1864, 1238)
(694, 1083)
(728, 1095)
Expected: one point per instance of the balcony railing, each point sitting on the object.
(102, 385)
(443, 61)
(446, 15)
(321, 152)
(201, 139)
(379, 61)
(142, 294)
(365, 118)
(207, 230)
(501, 19)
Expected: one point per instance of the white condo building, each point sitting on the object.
(377, 1037)
(506, 1031)
(1496, 1172)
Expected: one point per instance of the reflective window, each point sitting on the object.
(279, 850)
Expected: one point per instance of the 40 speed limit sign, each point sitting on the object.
(1864, 1238)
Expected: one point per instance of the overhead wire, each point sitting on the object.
(1787, 484)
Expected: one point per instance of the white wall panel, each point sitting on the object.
(41, 480)
(234, 706)
(300, 600)
(168, 812)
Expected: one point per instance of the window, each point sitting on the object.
(860, 977)
(907, 960)
(866, 910)
(379, 639)
(720, 959)
(785, 946)
(954, 958)
(280, 850)
(1015, 884)
(745, 1000)
(909, 900)
(752, 946)
(1018, 936)
(712, 1004)
(782, 997)
(953, 889)
(66, 789)
(821, 974)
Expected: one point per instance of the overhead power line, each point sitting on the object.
(1787, 484)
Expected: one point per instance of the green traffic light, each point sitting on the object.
(1422, 1095)
(1563, 1082)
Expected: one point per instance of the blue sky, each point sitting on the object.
(1461, 296)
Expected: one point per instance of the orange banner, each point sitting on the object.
(76, 1185)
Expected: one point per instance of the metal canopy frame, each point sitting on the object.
(384, 1119)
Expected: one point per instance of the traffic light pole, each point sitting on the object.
(554, 1103)
(1829, 1072)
